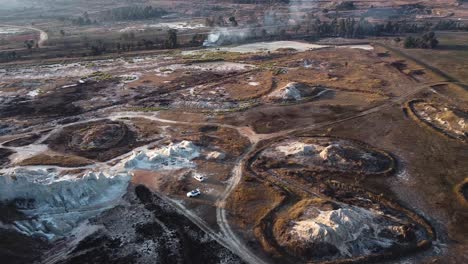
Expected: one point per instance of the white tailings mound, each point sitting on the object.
(288, 92)
(297, 148)
(54, 205)
(57, 204)
(352, 230)
(174, 156)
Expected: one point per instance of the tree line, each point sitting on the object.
(132, 13)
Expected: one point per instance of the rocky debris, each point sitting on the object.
(287, 93)
(295, 91)
(171, 157)
(450, 120)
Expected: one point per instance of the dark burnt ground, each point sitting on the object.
(4, 154)
(150, 94)
(58, 103)
(16, 248)
(172, 238)
(109, 141)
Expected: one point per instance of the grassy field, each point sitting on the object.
(450, 57)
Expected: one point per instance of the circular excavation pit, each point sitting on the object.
(325, 155)
(101, 140)
(352, 226)
(450, 121)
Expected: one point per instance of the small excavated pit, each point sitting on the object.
(450, 121)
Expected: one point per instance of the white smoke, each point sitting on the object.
(223, 36)
(272, 23)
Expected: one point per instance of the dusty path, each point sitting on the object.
(43, 36)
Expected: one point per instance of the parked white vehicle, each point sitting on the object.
(199, 177)
(193, 193)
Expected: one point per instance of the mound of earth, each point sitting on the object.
(325, 154)
(174, 156)
(295, 92)
(451, 121)
(96, 140)
(324, 229)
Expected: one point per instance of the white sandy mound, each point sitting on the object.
(288, 92)
(57, 204)
(297, 148)
(352, 230)
(174, 156)
(215, 155)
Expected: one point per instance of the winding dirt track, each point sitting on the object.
(43, 36)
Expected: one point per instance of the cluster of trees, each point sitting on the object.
(426, 41)
(351, 28)
(343, 6)
(171, 41)
(450, 25)
(219, 21)
(133, 13)
(83, 20)
(9, 56)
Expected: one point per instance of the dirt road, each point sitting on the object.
(43, 36)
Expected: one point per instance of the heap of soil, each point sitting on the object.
(324, 247)
(325, 155)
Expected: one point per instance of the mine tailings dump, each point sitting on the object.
(321, 218)
(448, 120)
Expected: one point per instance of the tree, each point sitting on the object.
(426, 41)
(29, 44)
(171, 41)
(233, 21)
(410, 42)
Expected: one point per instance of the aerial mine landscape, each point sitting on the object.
(233, 131)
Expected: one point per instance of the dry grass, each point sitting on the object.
(56, 160)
